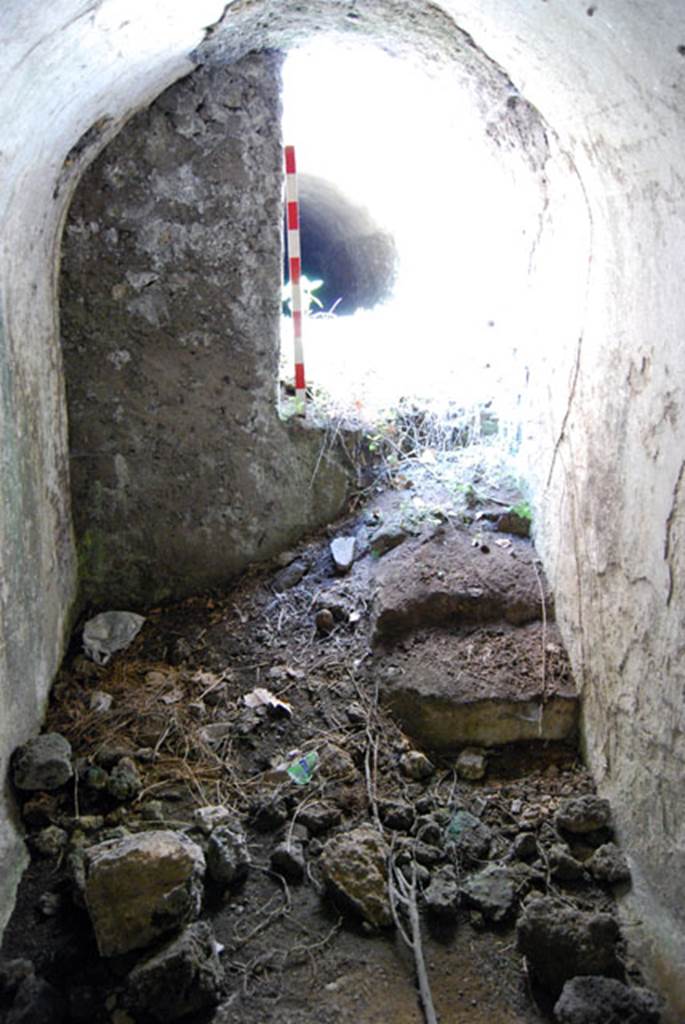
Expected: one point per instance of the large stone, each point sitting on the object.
(446, 581)
(141, 887)
(228, 858)
(354, 865)
(583, 814)
(442, 896)
(342, 552)
(591, 1000)
(608, 864)
(42, 763)
(491, 891)
(479, 688)
(560, 942)
(468, 838)
(183, 977)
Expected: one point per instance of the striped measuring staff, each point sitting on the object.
(295, 268)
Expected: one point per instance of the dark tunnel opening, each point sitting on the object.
(343, 247)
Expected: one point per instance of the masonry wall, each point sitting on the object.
(182, 471)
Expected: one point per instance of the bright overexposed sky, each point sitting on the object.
(413, 149)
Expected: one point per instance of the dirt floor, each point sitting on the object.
(291, 953)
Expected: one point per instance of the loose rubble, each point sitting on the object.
(219, 834)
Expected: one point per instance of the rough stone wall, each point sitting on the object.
(182, 471)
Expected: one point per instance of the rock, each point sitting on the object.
(290, 576)
(426, 854)
(354, 865)
(228, 858)
(471, 764)
(319, 817)
(141, 887)
(124, 782)
(100, 701)
(564, 866)
(512, 522)
(325, 621)
(608, 864)
(468, 837)
(35, 999)
(209, 817)
(50, 842)
(396, 814)
(287, 859)
(436, 692)
(96, 778)
(491, 891)
(356, 714)
(416, 765)
(183, 977)
(525, 846)
(385, 538)
(560, 943)
(584, 814)
(429, 830)
(591, 1000)
(268, 813)
(335, 763)
(342, 551)
(42, 763)
(442, 896)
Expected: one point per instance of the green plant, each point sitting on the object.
(523, 510)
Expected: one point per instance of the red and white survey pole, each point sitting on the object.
(295, 268)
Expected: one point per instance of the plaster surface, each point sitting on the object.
(606, 435)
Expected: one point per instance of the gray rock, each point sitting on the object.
(608, 864)
(525, 846)
(416, 765)
(426, 854)
(584, 814)
(42, 763)
(50, 842)
(591, 1000)
(354, 865)
(342, 551)
(209, 817)
(491, 891)
(471, 764)
(287, 859)
(396, 814)
(560, 943)
(290, 576)
(468, 838)
(269, 813)
(442, 897)
(183, 977)
(564, 866)
(385, 538)
(139, 888)
(319, 817)
(96, 778)
(228, 858)
(124, 782)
